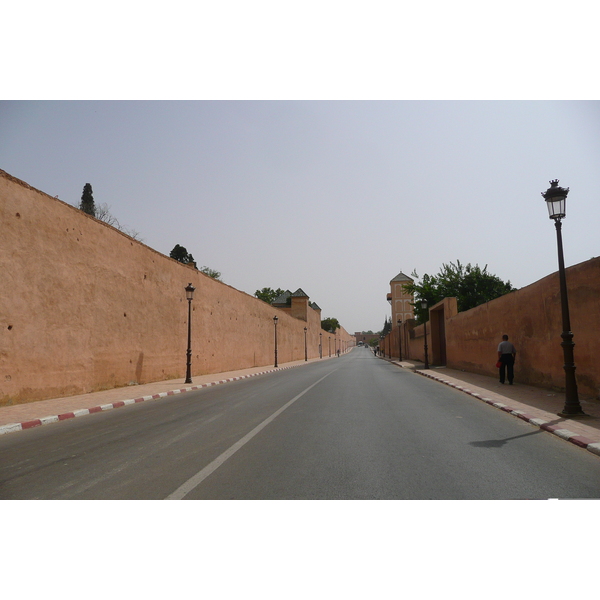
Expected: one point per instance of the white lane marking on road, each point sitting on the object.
(192, 483)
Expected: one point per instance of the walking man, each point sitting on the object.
(506, 356)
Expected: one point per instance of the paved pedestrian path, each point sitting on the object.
(537, 406)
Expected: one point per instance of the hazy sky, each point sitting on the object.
(326, 148)
(335, 197)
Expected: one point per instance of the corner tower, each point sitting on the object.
(401, 300)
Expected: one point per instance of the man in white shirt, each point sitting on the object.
(506, 356)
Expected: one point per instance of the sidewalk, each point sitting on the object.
(537, 406)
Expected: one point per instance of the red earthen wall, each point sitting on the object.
(84, 307)
(531, 317)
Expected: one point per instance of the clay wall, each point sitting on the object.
(84, 307)
(531, 317)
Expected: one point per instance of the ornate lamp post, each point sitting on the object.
(556, 199)
(399, 341)
(189, 294)
(424, 306)
(275, 319)
(321, 345)
(305, 346)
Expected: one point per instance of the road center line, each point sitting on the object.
(183, 490)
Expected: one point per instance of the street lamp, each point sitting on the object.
(275, 319)
(424, 307)
(321, 344)
(399, 341)
(556, 199)
(305, 347)
(189, 294)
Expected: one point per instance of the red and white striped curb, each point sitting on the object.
(10, 427)
(565, 434)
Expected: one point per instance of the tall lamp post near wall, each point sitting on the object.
(399, 341)
(275, 319)
(189, 294)
(305, 346)
(556, 200)
(321, 345)
(424, 307)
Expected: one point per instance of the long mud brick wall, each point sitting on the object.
(84, 307)
(531, 317)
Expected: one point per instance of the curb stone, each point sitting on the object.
(565, 434)
(10, 427)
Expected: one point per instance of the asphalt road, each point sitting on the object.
(354, 427)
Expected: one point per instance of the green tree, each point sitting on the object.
(87, 201)
(330, 324)
(268, 294)
(211, 273)
(387, 326)
(470, 285)
(180, 254)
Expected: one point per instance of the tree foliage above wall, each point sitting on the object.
(211, 273)
(330, 324)
(87, 200)
(102, 212)
(387, 326)
(180, 254)
(470, 285)
(268, 294)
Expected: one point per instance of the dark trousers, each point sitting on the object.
(508, 361)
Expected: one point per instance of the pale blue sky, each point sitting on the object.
(276, 173)
(335, 197)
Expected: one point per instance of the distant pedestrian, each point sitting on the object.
(506, 359)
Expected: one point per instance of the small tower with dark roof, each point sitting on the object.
(300, 305)
(401, 300)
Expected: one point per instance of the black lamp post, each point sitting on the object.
(189, 294)
(556, 199)
(275, 319)
(305, 346)
(399, 341)
(424, 307)
(329, 343)
(321, 345)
